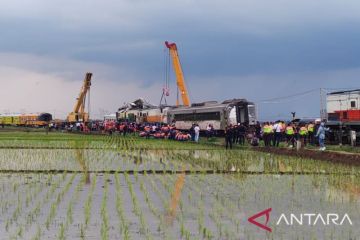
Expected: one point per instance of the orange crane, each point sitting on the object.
(79, 114)
(179, 74)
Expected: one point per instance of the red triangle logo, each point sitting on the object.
(260, 225)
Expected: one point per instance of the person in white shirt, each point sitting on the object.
(208, 131)
(277, 133)
(197, 133)
(153, 128)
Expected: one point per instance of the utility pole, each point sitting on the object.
(293, 115)
(322, 110)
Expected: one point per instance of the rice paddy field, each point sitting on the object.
(68, 186)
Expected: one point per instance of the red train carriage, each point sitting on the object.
(343, 114)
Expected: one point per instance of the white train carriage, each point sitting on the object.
(219, 115)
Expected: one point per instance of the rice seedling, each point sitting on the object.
(38, 234)
(208, 206)
(53, 207)
(104, 213)
(137, 209)
(124, 225)
(148, 200)
(88, 203)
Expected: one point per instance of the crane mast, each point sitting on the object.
(179, 74)
(78, 113)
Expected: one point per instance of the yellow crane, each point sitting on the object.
(179, 74)
(79, 114)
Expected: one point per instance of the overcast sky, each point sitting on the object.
(254, 49)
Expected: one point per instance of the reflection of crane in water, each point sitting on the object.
(81, 160)
(178, 187)
(138, 160)
(175, 197)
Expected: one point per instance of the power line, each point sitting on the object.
(276, 100)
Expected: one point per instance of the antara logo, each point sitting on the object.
(260, 225)
(310, 219)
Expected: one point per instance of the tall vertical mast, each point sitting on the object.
(179, 74)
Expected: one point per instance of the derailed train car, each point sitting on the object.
(148, 115)
(32, 120)
(219, 115)
(140, 111)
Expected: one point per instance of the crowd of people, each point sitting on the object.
(152, 130)
(272, 133)
(236, 134)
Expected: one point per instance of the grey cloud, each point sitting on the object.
(232, 48)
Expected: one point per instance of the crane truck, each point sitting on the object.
(78, 114)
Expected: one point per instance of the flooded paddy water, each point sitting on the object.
(128, 188)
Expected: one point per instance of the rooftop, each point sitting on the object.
(344, 92)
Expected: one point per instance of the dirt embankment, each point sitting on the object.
(337, 157)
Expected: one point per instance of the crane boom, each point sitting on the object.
(179, 73)
(78, 113)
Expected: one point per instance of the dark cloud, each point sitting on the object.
(256, 49)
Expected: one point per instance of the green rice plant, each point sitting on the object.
(88, 202)
(159, 194)
(136, 208)
(7, 225)
(34, 213)
(22, 223)
(104, 213)
(148, 201)
(82, 231)
(20, 232)
(217, 193)
(53, 209)
(61, 235)
(69, 212)
(38, 234)
(124, 228)
(219, 209)
(17, 210)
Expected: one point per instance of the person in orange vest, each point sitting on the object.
(290, 135)
(311, 133)
(147, 131)
(303, 134)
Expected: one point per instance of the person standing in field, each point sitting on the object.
(303, 133)
(258, 130)
(267, 133)
(235, 134)
(290, 135)
(321, 135)
(208, 131)
(229, 136)
(197, 132)
(241, 134)
(125, 129)
(277, 128)
(192, 132)
(311, 133)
